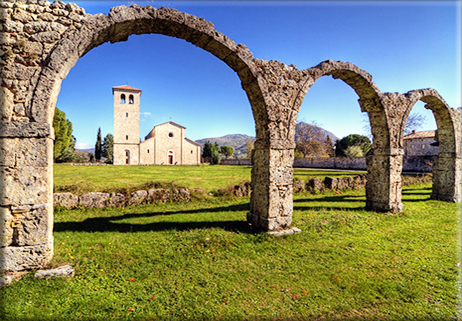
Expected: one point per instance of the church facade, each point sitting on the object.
(166, 144)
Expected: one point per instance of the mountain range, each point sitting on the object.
(238, 141)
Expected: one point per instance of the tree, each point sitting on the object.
(98, 145)
(207, 150)
(64, 144)
(414, 122)
(354, 151)
(311, 148)
(249, 146)
(211, 152)
(228, 151)
(305, 132)
(108, 148)
(329, 147)
(310, 141)
(352, 140)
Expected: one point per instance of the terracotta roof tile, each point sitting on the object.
(125, 87)
(422, 134)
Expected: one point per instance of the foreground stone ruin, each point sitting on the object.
(39, 44)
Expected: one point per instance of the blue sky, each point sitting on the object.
(403, 45)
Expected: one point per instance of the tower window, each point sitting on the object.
(126, 137)
(148, 151)
(122, 99)
(192, 152)
(126, 115)
(130, 99)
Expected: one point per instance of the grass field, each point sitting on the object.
(80, 179)
(202, 261)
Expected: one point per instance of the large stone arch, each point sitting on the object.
(447, 165)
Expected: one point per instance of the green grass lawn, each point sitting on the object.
(201, 261)
(81, 179)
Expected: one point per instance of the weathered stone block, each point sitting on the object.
(65, 271)
(299, 186)
(25, 185)
(315, 185)
(17, 152)
(94, 200)
(137, 198)
(180, 195)
(117, 200)
(6, 227)
(158, 195)
(18, 258)
(31, 228)
(330, 182)
(66, 200)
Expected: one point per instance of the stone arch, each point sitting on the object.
(383, 188)
(447, 164)
(118, 25)
(368, 92)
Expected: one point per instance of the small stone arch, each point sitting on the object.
(383, 187)
(447, 164)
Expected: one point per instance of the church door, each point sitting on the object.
(127, 157)
(170, 158)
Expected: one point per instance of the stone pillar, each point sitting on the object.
(447, 176)
(26, 195)
(383, 186)
(271, 202)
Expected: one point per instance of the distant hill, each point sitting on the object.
(88, 150)
(321, 133)
(236, 141)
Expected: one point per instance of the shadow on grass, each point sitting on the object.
(109, 224)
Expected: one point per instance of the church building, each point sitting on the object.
(166, 144)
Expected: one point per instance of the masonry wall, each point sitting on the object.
(147, 151)
(164, 143)
(410, 163)
(191, 153)
(420, 147)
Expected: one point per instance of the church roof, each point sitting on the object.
(125, 87)
(192, 142)
(171, 123)
(423, 134)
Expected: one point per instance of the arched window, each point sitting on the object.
(126, 115)
(148, 151)
(122, 99)
(130, 99)
(127, 156)
(126, 137)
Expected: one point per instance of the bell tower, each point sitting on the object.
(126, 125)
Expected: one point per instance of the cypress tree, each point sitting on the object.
(98, 145)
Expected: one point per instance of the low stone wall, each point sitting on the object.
(410, 163)
(234, 161)
(358, 163)
(101, 200)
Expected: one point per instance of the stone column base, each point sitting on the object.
(20, 258)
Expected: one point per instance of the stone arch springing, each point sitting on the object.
(445, 168)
